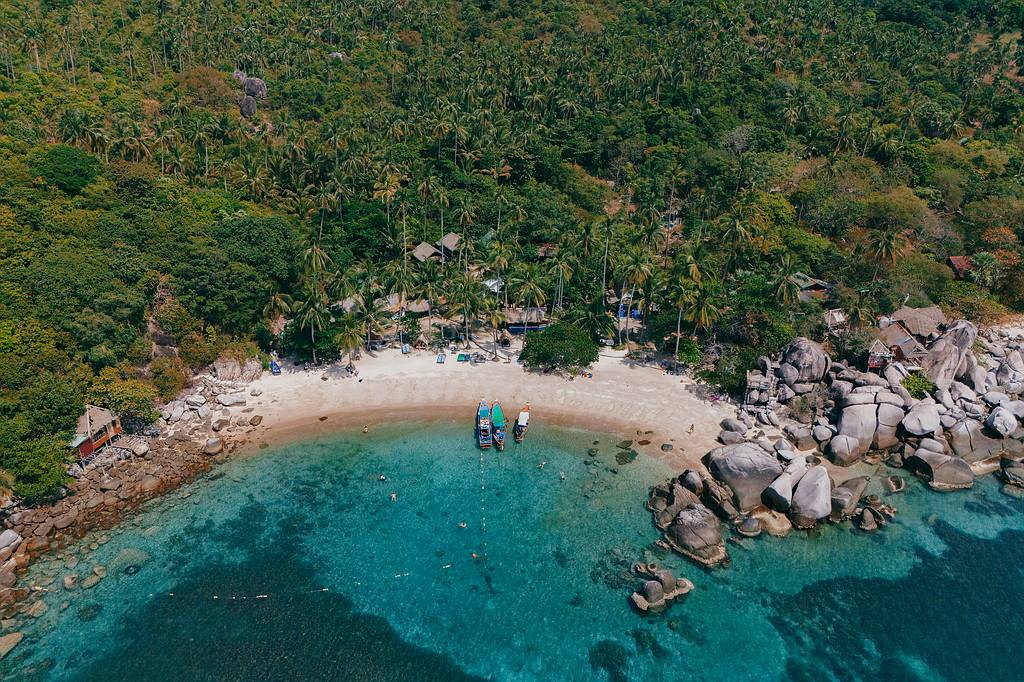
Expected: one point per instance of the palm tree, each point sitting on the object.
(594, 318)
(527, 288)
(787, 288)
(313, 313)
(277, 306)
(427, 284)
(561, 268)
(636, 270)
(349, 336)
(705, 309)
(683, 293)
(465, 299)
(494, 317)
(887, 246)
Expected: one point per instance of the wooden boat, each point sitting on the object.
(498, 425)
(483, 424)
(522, 423)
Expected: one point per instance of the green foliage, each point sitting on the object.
(562, 345)
(128, 397)
(38, 466)
(168, 376)
(689, 352)
(918, 384)
(67, 168)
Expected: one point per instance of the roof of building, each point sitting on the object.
(897, 336)
(450, 241)
(547, 250)
(805, 281)
(961, 264)
(525, 315)
(92, 420)
(923, 322)
(424, 251)
(879, 348)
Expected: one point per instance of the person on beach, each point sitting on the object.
(690, 430)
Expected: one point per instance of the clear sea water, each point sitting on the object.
(294, 563)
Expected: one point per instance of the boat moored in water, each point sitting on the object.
(483, 424)
(522, 424)
(498, 425)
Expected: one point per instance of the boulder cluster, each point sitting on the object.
(253, 90)
(217, 402)
(660, 587)
(970, 421)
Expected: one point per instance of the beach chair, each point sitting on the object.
(441, 357)
(405, 349)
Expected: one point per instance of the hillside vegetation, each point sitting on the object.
(712, 149)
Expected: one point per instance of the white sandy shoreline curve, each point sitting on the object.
(621, 397)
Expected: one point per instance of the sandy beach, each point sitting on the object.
(622, 397)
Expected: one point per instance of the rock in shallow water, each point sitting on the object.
(746, 469)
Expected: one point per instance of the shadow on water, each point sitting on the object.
(932, 624)
(297, 632)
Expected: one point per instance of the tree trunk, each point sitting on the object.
(679, 327)
(312, 340)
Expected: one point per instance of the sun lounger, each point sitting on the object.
(405, 349)
(441, 357)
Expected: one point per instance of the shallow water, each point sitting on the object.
(295, 564)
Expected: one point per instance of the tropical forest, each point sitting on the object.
(235, 177)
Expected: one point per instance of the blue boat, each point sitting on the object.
(483, 424)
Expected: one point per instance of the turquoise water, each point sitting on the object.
(295, 564)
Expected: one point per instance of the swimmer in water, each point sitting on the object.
(383, 477)
(541, 465)
(462, 524)
(366, 429)
(394, 497)
(561, 474)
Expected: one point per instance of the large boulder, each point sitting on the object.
(846, 495)
(697, 533)
(947, 356)
(779, 495)
(1002, 421)
(251, 369)
(746, 469)
(807, 358)
(922, 420)
(859, 422)
(941, 471)
(667, 501)
(247, 106)
(231, 399)
(1011, 369)
(812, 499)
(255, 87)
(844, 450)
(969, 442)
(889, 417)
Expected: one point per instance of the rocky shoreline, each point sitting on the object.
(193, 434)
(970, 423)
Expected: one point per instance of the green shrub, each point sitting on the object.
(562, 346)
(168, 375)
(38, 467)
(918, 384)
(689, 352)
(68, 168)
(130, 398)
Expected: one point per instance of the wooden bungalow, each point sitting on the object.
(424, 252)
(961, 265)
(903, 345)
(449, 244)
(879, 355)
(811, 289)
(96, 427)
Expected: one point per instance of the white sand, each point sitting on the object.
(623, 397)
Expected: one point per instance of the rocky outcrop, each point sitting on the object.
(846, 496)
(661, 588)
(812, 499)
(696, 533)
(779, 495)
(947, 356)
(942, 472)
(922, 419)
(746, 469)
(803, 362)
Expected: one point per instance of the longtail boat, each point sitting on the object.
(483, 424)
(523, 423)
(498, 425)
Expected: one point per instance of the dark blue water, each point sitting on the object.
(296, 564)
